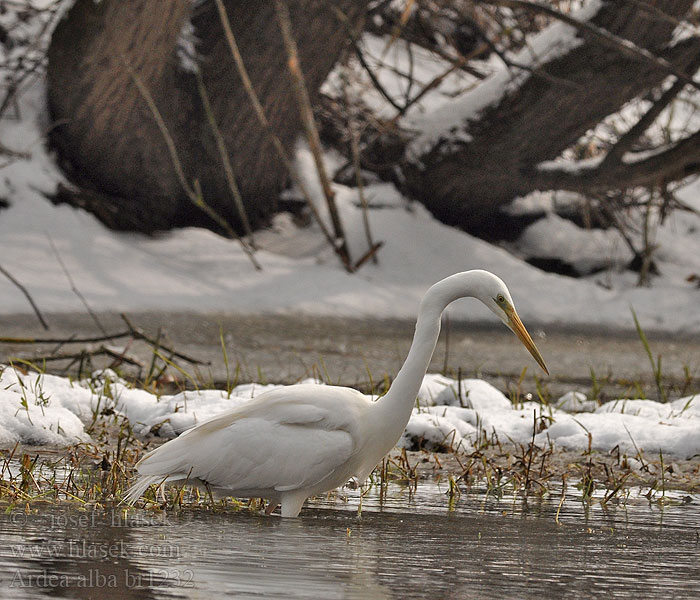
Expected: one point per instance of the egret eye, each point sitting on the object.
(500, 298)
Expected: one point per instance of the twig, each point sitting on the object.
(307, 116)
(14, 153)
(27, 295)
(531, 450)
(63, 341)
(138, 333)
(170, 143)
(605, 208)
(192, 192)
(14, 85)
(626, 141)
(428, 87)
(367, 255)
(276, 142)
(134, 332)
(223, 153)
(511, 64)
(361, 57)
(74, 288)
(355, 149)
(398, 29)
(657, 12)
(101, 351)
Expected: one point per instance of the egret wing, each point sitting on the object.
(278, 443)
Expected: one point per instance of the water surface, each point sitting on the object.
(401, 545)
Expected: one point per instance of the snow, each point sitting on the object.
(573, 402)
(45, 409)
(554, 237)
(193, 269)
(41, 410)
(683, 31)
(574, 167)
(186, 48)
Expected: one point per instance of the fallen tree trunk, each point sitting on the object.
(466, 183)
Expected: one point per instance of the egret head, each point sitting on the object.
(494, 294)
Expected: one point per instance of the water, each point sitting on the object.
(401, 546)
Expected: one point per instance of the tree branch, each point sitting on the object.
(306, 113)
(676, 162)
(626, 141)
(623, 45)
(265, 124)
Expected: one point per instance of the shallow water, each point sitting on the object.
(402, 545)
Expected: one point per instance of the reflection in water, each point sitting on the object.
(407, 546)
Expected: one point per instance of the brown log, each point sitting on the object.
(110, 142)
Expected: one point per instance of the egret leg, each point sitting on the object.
(271, 507)
(291, 505)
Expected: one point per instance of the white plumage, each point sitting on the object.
(298, 441)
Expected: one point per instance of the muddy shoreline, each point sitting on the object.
(358, 352)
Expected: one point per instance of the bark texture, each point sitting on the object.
(466, 184)
(108, 137)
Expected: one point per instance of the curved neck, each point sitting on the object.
(399, 401)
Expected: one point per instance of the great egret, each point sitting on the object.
(302, 440)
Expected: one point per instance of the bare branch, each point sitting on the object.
(27, 295)
(680, 160)
(657, 12)
(138, 334)
(262, 119)
(68, 340)
(312, 136)
(626, 141)
(371, 253)
(74, 288)
(355, 151)
(223, 153)
(191, 191)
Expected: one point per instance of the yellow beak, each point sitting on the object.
(517, 327)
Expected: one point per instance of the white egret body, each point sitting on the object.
(302, 440)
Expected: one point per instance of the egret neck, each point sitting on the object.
(396, 405)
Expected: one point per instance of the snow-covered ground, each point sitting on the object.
(45, 409)
(193, 269)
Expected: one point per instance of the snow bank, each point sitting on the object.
(194, 269)
(41, 409)
(44, 409)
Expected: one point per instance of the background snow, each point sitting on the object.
(194, 269)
